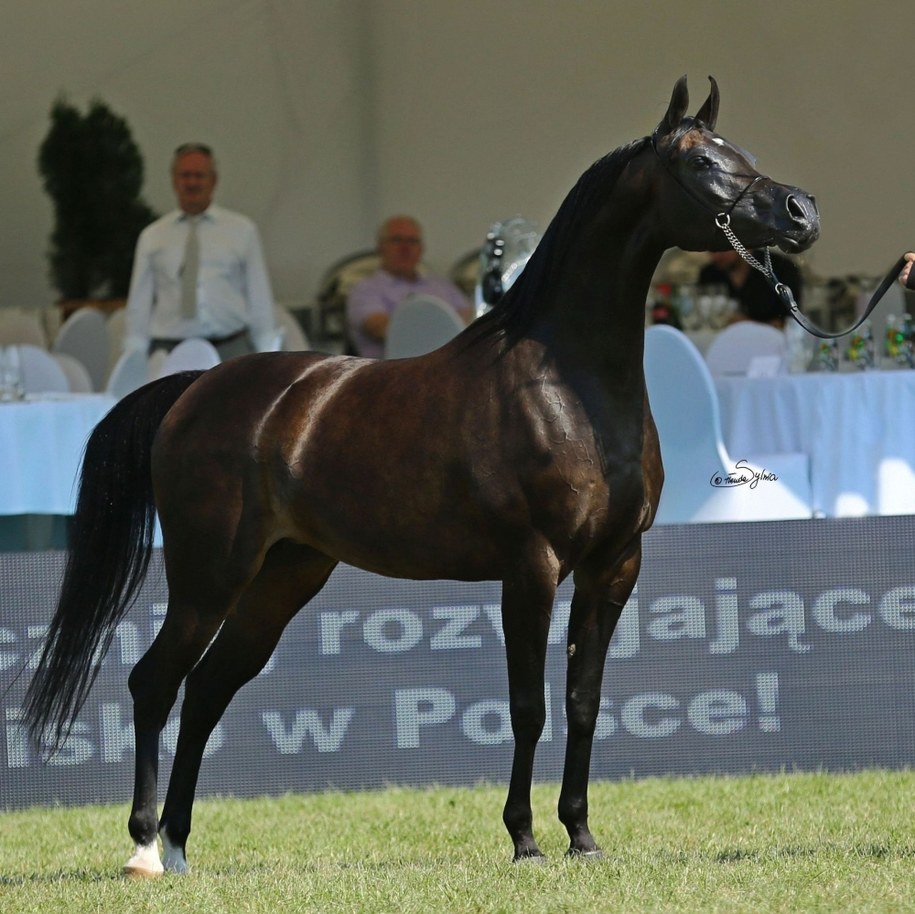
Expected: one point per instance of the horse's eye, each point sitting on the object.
(700, 163)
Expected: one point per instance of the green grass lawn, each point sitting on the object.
(792, 843)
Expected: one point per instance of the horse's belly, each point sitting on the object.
(454, 530)
(447, 552)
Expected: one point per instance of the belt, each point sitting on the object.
(160, 342)
(219, 340)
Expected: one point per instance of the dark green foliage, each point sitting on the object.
(93, 172)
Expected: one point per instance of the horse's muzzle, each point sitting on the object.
(804, 229)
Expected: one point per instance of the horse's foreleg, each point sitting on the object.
(290, 576)
(596, 607)
(527, 605)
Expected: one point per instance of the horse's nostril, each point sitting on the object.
(796, 209)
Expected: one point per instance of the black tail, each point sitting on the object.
(110, 546)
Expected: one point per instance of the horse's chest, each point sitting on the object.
(589, 432)
(593, 476)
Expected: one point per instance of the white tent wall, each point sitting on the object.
(504, 104)
(327, 115)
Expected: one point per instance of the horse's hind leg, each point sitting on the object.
(290, 576)
(154, 684)
(207, 570)
(599, 598)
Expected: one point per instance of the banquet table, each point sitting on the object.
(41, 445)
(857, 427)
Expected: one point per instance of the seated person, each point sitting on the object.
(755, 297)
(372, 301)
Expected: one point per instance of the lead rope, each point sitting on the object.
(723, 221)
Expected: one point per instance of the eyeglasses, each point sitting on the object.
(185, 148)
(401, 239)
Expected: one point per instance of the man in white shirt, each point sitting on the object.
(199, 271)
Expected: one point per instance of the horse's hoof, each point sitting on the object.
(537, 859)
(144, 864)
(173, 858)
(141, 872)
(586, 856)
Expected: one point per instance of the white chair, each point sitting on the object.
(116, 325)
(131, 370)
(155, 362)
(77, 373)
(19, 326)
(700, 475)
(190, 354)
(84, 335)
(292, 337)
(420, 324)
(40, 372)
(733, 350)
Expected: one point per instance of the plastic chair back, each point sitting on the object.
(40, 372)
(420, 324)
(293, 338)
(189, 354)
(132, 370)
(732, 351)
(77, 373)
(697, 465)
(84, 335)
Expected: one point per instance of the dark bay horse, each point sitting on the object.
(522, 451)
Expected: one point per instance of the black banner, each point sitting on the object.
(746, 647)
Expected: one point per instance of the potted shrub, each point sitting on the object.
(93, 172)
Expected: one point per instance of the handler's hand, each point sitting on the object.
(907, 269)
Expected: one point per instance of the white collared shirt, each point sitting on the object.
(233, 289)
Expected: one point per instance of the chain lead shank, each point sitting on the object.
(723, 221)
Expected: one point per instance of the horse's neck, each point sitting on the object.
(595, 319)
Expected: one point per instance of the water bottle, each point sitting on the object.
(798, 346)
(906, 342)
(684, 305)
(868, 357)
(10, 375)
(860, 352)
(828, 355)
(890, 339)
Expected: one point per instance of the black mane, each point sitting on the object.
(511, 314)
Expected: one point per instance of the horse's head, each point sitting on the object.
(701, 169)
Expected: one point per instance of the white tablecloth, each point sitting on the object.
(41, 446)
(858, 429)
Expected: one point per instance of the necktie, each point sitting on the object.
(190, 270)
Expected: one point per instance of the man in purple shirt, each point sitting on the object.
(372, 301)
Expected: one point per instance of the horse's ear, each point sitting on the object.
(708, 113)
(676, 111)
